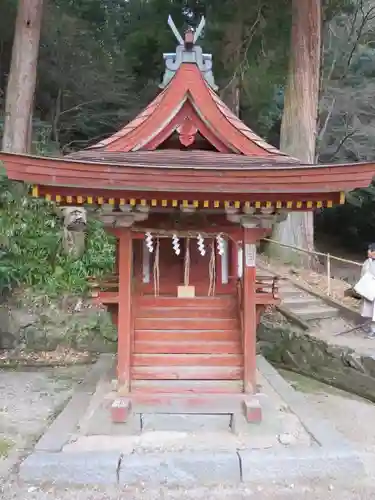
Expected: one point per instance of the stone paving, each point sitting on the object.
(174, 475)
(157, 449)
(149, 433)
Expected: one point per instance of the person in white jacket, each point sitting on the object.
(368, 307)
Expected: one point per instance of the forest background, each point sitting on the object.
(100, 63)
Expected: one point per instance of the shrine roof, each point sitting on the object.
(189, 159)
(189, 108)
(186, 172)
(188, 102)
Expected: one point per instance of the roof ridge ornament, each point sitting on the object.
(188, 52)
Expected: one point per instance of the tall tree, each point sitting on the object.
(22, 77)
(299, 120)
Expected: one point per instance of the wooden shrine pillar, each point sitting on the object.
(124, 324)
(117, 253)
(249, 310)
(234, 260)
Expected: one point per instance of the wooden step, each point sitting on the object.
(188, 347)
(187, 360)
(185, 323)
(186, 312)
(186, 386)
(186, 373)
(144, 335)
(196, 302)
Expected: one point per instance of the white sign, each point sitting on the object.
(250, 255)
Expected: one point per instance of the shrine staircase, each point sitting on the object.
(187, 345)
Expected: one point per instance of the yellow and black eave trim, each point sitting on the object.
(177, 202)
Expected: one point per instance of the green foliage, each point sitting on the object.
(31, 251)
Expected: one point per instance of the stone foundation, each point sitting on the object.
(339, 366)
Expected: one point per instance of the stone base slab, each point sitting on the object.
(180, 468)
(71, 468)
(188, 468)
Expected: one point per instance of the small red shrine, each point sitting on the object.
(188, 190)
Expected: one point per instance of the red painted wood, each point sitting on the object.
(170, 289)
(78, 170)
(252, 181)
(185, 313)
(185, 335)
(186, 373)
(117, 256)
(142, 359)
(124, 309)
(197, 302)
(171, 269)
(188, 347)
(161, 390)
(107, 298)
(233, 264)
(266, 299)
(188, 112)
(42, 171)
(249, 318)
(188, 81)
(184, 324)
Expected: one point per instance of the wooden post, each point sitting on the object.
(117, 254)
(234, 260)
(124, 324)
(249, 310)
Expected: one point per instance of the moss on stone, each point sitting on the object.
(5, 446)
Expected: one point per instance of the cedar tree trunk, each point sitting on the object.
(299, 121)
(22, 77)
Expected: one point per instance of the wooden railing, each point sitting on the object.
(266, 294)
(107, 283)
(326, 264)
(267, 285)
(266, 289)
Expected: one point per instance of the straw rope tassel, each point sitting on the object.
(212, 270)
(156, 269)
(187, 263)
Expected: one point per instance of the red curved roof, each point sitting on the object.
(188, 99)
(193, 172)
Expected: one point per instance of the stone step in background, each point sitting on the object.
(304, 305)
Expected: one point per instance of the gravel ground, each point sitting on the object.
(28, 400)
(276, 491)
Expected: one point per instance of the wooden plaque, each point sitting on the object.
(250, 255)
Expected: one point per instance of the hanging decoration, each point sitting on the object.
(220, 244)
(212, 270)
(156, 269)
(201, 247)
(187, 263)
(176, 244)
(149, 242)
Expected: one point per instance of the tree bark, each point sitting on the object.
(299, 121)
(22, 77)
